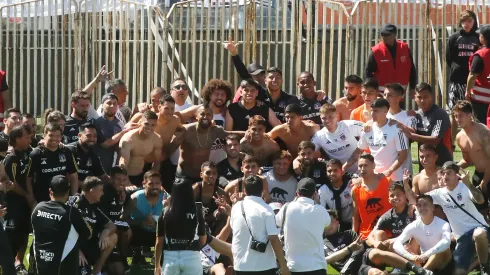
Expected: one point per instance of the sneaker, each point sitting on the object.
(20, 269)
(398, 271)
(422, 271)
(485, 269)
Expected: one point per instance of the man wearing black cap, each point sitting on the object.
(469, 227)
(303, 223)
(478, 85)
(391, 61)
(56, 229)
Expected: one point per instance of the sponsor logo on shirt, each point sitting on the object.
(277, 193)
(46, 255)
(339, 149)
(48, 215)
(55, 169)
(373, 205)
(72, 129)
(43, 160)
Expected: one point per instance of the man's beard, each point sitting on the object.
(351, 97)
(82, 114)
(110, 114)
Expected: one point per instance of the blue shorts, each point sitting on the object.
(465, 250)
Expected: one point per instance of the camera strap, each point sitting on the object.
(245, 218)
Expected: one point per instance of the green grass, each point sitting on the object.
(148, 268)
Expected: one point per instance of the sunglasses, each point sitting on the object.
(179, 87)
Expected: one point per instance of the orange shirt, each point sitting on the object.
(358, 114)
(371, 205)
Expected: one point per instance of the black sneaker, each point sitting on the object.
(20, 269)
(485, 270)
(421, 271)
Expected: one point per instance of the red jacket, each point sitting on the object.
(386, 70)
(481, 91)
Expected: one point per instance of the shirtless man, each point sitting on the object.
(295, 130)
(257, 143)
(474, 141)
(168, 124)
(196, 143)
(352, 98)
(154, 103)
(250, 166)
(426, 180)
(140, 144)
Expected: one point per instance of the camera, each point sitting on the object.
(258, 246)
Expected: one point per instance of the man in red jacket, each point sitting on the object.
(391, 61)
(478, 86)
(4, 97)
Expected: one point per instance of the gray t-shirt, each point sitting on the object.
(105, 130)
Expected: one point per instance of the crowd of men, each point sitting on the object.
(311, 181)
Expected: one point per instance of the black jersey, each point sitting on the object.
(57, 227)
(210, 207)
(17, 166)
(241, 115)
(4, 136)
(311, 109)
(336, 242)
(226, 171)
(91, 214)
(182, 233)
(281, 103)
(45, 164)
(394, 223)
(70, 133)
(317, 171)
(112, 204)
(88, 163)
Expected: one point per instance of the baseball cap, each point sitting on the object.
(388, 29)
(275, 206)
(485, 31)
(451, 165)
(59, 184)
(109, 96)
(306, 185)
(255, 69)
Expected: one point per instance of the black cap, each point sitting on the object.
(451, 165)
(255, 69)
(388, 29)
(485, 32)
(306, 185)
(59, 185)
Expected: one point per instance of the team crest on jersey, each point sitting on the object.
(282, 104)
(347, 195)
(459, 196)
(317, 106)
(316, 173)
(385, 136)
(403, 58)
(62, 158)
(89, 162)
(342, 137)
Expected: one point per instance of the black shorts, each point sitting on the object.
(167, 173)
(480, 111)
(91, 251)
(17, 225)
(180, 175)
(141, 237)
(367, 264)
(137, 180)
(476, 180)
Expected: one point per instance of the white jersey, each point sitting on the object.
(460, 221)
(218, 152)
(281, 191)
(410, 122)
(341, 143)
(179, 108)
(327, 201)
(384, 144)
(433, 238)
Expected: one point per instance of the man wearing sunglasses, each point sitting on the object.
(391, 61)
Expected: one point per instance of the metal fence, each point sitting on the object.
(50, 48)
